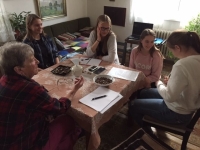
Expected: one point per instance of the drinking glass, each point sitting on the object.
(65, 84)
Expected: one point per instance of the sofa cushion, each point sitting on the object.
(59, 28)
(59, 44)
(71, 26)
(83, 22)
(49, 32)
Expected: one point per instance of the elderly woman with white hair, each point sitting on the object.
(25, 104)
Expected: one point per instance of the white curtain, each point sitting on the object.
(164, 14)
(6, 33)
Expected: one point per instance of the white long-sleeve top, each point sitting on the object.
(182, 93)
(111, 45)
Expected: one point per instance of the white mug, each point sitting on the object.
(77, 70)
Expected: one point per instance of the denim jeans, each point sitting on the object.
(149, 102)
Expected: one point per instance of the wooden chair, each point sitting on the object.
(183, 130)
(122, 53)
(141, 140)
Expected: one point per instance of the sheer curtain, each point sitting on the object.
(6, 33)
(164, 14)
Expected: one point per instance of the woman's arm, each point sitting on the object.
(78, 84)
(92, 45)
(156, 68)
(54, 50)
(57, 60)
(41, 101)
(132, 58)
(176, 84)
(112, 49)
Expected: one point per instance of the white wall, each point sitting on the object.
(75, 9)
(96, 8)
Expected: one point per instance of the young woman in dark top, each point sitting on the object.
(44, 48)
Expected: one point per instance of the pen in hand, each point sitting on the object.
(95, 98)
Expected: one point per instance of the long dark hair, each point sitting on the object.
(184, 38)
(145, 33)
(104, 18)
(29, 21)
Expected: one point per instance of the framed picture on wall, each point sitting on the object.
(49, 9)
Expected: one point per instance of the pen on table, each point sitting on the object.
(84, 59)
(95, 98)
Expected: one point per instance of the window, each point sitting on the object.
(164, 13)
(6, 33)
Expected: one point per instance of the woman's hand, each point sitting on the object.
(165, 80)
(99, 57)
(77, 85)
(147, 83)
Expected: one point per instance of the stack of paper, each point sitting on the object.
(124, 74)
(104, 103)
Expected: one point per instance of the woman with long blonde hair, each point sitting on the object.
(43, 46)
(102, 41)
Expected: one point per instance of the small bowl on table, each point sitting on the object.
(103, 80)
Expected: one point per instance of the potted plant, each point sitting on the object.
(18, 23)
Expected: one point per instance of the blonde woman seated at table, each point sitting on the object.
(147, 58)
(25, 105)
(102, 41)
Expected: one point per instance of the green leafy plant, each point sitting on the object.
(172, 57)
(18, 23)
(194, 24)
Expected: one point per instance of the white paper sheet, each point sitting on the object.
(101, 103)
(123, 74)
(90, 61)
(94, 62)
(84, 60)
(111, 103)
(75, 61)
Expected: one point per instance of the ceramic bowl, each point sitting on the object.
(104, 79)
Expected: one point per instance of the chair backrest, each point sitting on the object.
(194, 119)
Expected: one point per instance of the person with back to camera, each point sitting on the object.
(43, 46)
(175, 102)
(102, 41)
(147, 58)
(26, 105)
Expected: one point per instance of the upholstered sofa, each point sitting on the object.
(71, 26)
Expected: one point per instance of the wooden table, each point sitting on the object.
(88, 118)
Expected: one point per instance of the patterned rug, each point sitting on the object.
(116, 130)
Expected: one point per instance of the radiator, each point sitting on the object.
(163, 35)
